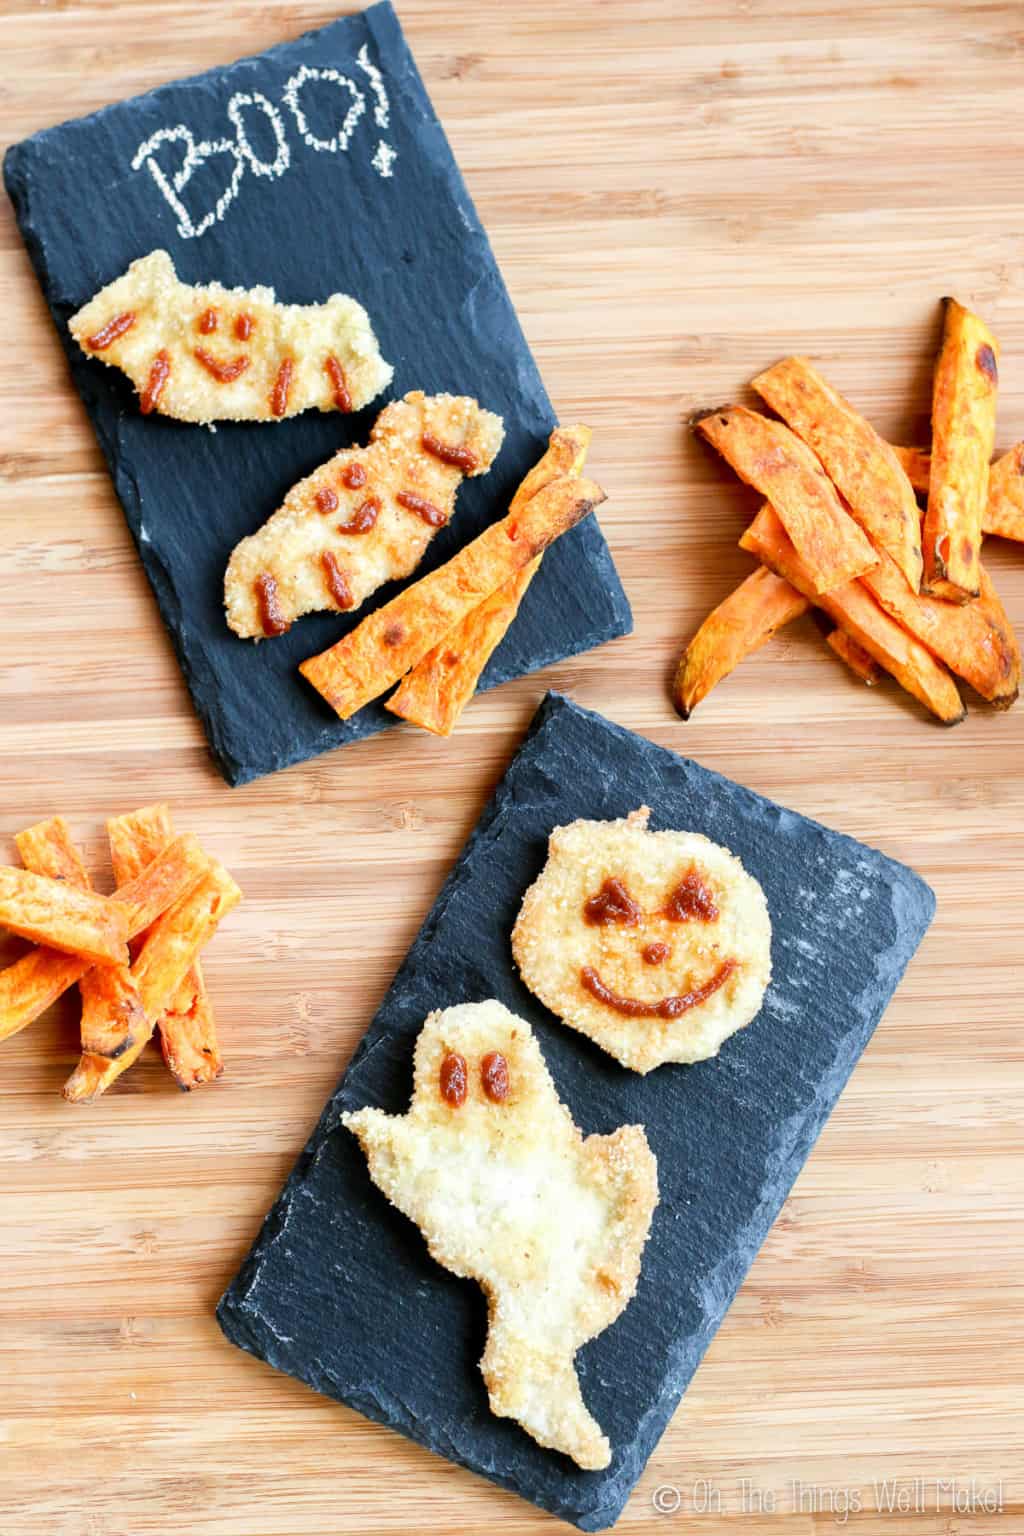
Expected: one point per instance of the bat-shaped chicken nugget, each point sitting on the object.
(507, 1191)
(230, 354)
(655, 944)
(363, 518)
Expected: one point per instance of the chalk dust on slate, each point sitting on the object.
(242, 175)
(339, 1289)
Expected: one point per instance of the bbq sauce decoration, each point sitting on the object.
(364, 517)
(655, 944)
(560, 1261)
(232, 354)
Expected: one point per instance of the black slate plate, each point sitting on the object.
(407, 244)
(339, 1289)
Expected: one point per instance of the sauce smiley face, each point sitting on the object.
(655, 944)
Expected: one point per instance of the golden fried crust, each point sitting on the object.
(331, 544)
(209, 353)
(510, 1194)
(667, 923)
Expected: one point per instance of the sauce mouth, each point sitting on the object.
(660, 1008)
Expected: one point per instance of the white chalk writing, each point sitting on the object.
(171, 176)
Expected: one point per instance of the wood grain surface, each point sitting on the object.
(678, 195)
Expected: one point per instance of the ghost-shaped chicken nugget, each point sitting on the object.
(507, 1191)
(655, 944)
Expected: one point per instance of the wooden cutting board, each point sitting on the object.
(677, 196)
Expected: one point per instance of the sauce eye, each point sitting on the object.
(690, 899)
(494, 1076)
(612, 904)
(453, 1079)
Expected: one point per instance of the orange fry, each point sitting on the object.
(111, 1010)
(860, 663)
(33, 983)
(187, 1028)
(167, 877)
(169, 949)
(854, 609)
(437, 690)
(740, 625)
(59, 915)
(390, 641)
(861, 465)
(975, 640)
(1004, 507)
(768, 456)
(963, 434)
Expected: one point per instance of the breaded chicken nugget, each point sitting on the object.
(507, 1191)
(209, 353)
(363, 518)
(655, 944)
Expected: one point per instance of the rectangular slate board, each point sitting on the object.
(339, 1289)
(392, 225)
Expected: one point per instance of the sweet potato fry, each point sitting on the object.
(855, 656)
(437, 690)
(187, 1028)
(975, 639)
(169, 949)
(768, 456)
(1004, 507)
(59, 915)
(167, 877)
(47, 849)
(861, 465)
(33, 983)
(917, 465)
(963, 434)
(739, 626)
(855, 610)
(388, 642)
(111, 1010)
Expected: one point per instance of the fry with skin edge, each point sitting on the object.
(187, 1029)
(1004, 507)
(739, 626)
(32, 984)
(963, 436)
(61, 916)
(390, 641)
(855, 610)
(168, 950)
(975, 640)
(860, 464)
(855, 656)
(771, 458)
(111, 1010)
(437, 690)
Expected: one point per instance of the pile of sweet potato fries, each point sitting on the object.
(841, 530)
(134, 955)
